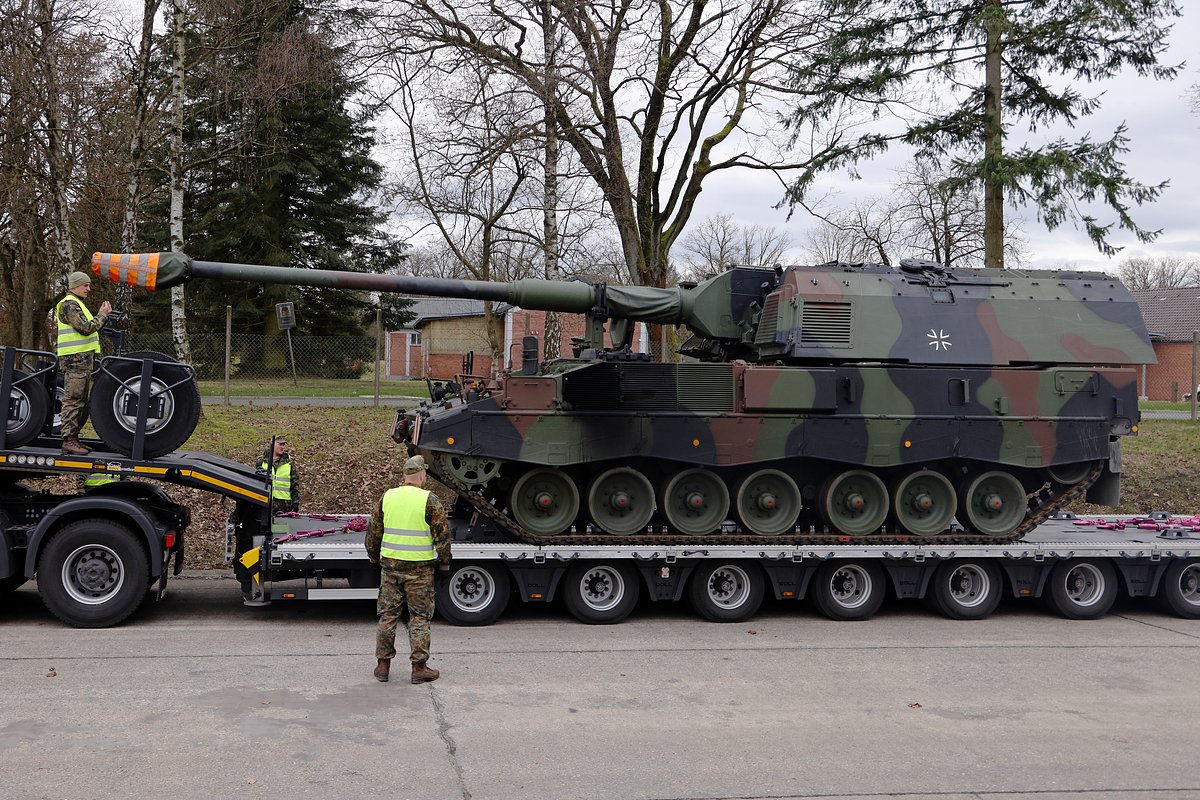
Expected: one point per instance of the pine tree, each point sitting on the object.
(960, 73)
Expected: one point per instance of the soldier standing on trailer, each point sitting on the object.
(407, 534)
(78, 341)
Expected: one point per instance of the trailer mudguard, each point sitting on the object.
(89, 505)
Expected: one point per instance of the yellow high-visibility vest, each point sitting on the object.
(71, 341)
(281, 480)
(406, 534)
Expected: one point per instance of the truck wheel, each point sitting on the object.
(31, 405)
(848, 590)
(473, 594)
(966, 589)
(1179, 592)
(600, 593)
(726, 591)
(1081, 588)
(112, 400)
(93, 573)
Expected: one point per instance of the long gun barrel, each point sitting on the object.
(163, 270)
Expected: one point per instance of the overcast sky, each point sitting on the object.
(1164, 144)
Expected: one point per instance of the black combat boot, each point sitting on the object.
(382, 669)
(73, 446)
(422, 673)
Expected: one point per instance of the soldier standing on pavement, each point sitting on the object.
(77, 343)
(280, 464)
(407, 534)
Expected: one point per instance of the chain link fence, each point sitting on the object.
(283, 365)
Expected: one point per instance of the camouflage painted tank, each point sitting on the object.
(814, 403)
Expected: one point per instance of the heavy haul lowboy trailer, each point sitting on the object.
(99, 554)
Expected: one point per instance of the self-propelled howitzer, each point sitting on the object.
(815, 402)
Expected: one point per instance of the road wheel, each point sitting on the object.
(848, 590)
(93, 573)
(854, 502)
(473, 594)
(924, 503)
(600, 593)
(29, 406)
(1179, 592)
(726, 591)
(173, 418)
(966, 589)
(621, 501)
(993, 504)
(1081, 588)
(545, 501)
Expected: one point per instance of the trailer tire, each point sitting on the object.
(33, 407)
(600, 592)
(966, 589)
(848, 591)
(181, 412)
(726, 591)
(93, 573)
(473, 594)
(1179, 591)
(1081, 588)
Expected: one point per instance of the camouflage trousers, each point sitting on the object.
(398, 588)
(77, 379)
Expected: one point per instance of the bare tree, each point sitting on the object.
(869, 231)
(652, 97)
(1159, 272)
(718, 243)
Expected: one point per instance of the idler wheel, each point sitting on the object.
(854, 503)
(544, 501)
(993, 504)
(768, 502)
(924, 502)
(621, 501)
(1069, 474)
(695, 502)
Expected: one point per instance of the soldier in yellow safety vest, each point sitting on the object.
(77, 343)
(408, 534)
(285, 477)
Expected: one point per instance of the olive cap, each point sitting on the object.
(78, 279)
(414, 465)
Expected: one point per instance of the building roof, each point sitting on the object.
(449, 308)
(1171, 314)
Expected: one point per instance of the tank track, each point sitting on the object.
(1042, 505)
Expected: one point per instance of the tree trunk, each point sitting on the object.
(552, 335)
(137, 143)
(179, 334)
(63, 250)
(993, 146)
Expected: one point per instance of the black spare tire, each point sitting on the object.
(174, 403)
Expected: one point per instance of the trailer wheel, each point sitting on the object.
(31, 405)
(473, 594)
(726, 591)
(600, 593)
(1179, 592)
(180, 410)
(93, 573)
(848, 590)
(1082, 588)
(966, 589)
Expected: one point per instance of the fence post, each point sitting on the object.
(228, 348)
(1195, 378)
(378, 349)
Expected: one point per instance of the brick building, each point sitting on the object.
(1171, 316)
(437, 342)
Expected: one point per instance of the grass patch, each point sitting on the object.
(312, 387)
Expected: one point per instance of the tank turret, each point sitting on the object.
(814, 402)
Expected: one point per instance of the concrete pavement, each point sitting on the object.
(199, 697)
